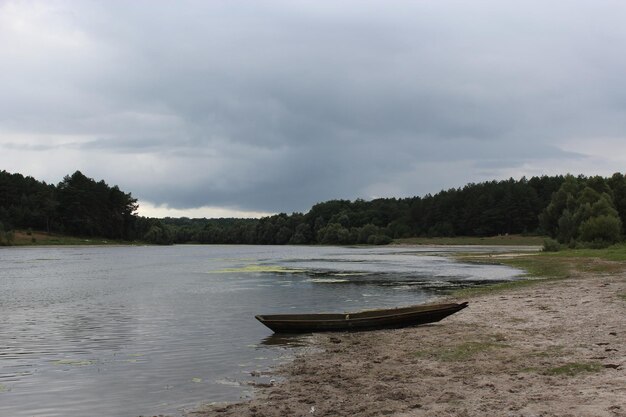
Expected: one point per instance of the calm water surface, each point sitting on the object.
(129, 331)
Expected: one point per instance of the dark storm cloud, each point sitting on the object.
(276, 105)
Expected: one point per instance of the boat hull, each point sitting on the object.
(365, 320)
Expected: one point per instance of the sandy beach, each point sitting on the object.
(556, 348)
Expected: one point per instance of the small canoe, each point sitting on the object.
(362, 320)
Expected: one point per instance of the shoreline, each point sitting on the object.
(554, 348)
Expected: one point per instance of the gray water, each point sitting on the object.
(129, 331)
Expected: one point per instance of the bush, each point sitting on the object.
(551, 245)
(596, 244)
(333, 234)
(159, 235)
(379, 240)
(602, 230)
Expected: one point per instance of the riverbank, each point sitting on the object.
(500, 240)
(41, 238)
(553, 348)
(38, 238)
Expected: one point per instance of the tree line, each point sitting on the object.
(78, 205)
(571, 210)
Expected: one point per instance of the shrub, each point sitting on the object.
(600, 229)
(379, 240)
(551, 245)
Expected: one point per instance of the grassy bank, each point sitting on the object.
(36, 238)
(508, 240)
(544, 266)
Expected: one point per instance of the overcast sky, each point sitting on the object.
(220, 108)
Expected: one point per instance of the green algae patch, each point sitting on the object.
(74, 362)
(329, 280)
(349, 274)
(259, 269)
(134, 358)
(3, 388)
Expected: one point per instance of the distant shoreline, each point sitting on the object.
(39, 238)
(500, 240)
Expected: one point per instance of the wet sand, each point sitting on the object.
(557, 348)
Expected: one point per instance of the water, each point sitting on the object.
(129, 331)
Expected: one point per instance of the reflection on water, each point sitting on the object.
(285, 340)
(127, 331)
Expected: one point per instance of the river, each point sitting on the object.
(129, 331)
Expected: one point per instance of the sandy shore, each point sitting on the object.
(557, 348)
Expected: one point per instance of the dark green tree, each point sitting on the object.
(582, 212)
(90, 208)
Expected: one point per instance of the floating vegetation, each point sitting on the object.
(350, 274)
(3, 388)
(259, 268)
(196, 380)
(135, 358)
(328, 280)
(233, 259)
(75, 362)
(228, 383)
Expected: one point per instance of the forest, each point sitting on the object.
(573, 210)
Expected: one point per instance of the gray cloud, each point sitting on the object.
(278, 105)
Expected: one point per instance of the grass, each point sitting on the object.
(466, 350)
(573, 369)
(550, 352)
(544, 266)
(509, 240)
(462, 351)
(615, 253)
(537, 268)
(23, 238)
(503, 286)
(541, 266)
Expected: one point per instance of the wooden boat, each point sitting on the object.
(362, 320)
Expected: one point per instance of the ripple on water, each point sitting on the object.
(121, 331)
